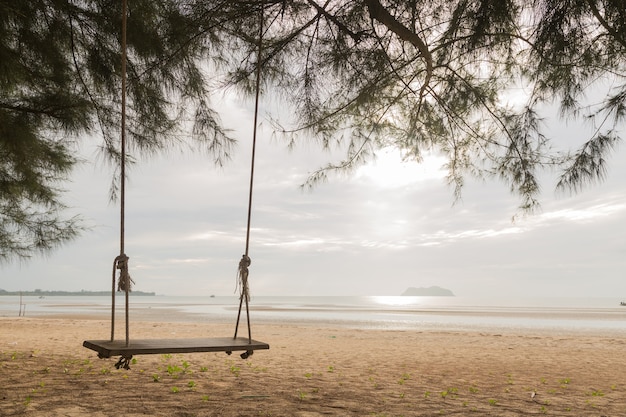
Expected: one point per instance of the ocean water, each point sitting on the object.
(540, 314)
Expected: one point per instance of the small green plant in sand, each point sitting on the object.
(565, 381)
(308, 375)
(493, 402)
(596, 393)
(331, 369)
(302, 395)
(191, 384)
(235, 370)
(175, 390)
(156, 378)
(204, 369)
(205, 398)
(427, 394)
(174, 370)
(473, 389)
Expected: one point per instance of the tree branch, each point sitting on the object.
(379, 13)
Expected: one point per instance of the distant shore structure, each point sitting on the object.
(433, 291)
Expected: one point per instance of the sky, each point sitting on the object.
(388, 226)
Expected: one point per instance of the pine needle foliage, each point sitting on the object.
(60, 83)
(438, 75)
(417, 75)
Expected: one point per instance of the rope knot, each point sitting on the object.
(125, 281)
(244, 263)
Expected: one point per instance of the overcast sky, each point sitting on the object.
(389, 226)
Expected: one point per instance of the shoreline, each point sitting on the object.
(173, 317)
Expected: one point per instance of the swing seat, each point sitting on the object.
(108, 348)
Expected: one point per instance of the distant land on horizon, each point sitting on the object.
(46, 293)
(433, 291)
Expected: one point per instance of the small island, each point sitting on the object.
(433, 291)
(45, 293)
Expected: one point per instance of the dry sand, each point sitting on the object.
(312, 370)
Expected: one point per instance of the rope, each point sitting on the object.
(254, 131)
(121, 262)
(245, 261)
(123, 167)
(242, 281)
(125, 282)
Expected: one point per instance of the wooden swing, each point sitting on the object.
(127, 348)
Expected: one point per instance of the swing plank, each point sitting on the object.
(107, 348)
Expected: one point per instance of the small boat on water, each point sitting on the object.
(623, 303)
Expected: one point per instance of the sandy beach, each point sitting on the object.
(310, 370)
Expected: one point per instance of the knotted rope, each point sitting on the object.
(242, 281)
(124, 282)
(124, 362)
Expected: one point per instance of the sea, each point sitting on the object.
(537, 314)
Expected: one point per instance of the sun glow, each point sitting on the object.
(390, 171)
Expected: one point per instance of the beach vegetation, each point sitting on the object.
(331, 369)
(565, 381)
(493, 402)
(174, 370)
(302, 395)
(175, 390)
(596, 393)
(427, 394)
(191, 385)
(235, 370)
(205, 398)
(473, 389)
(204, 369)
(308, 375)
(156, 378)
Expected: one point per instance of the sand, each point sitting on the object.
(311, 370)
